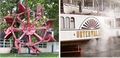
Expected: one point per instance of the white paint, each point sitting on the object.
(5, 50)
(72, 35)
(69, 8)
(56, 47)
(105, 29)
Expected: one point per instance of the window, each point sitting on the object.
(106, 4)
(76, 1)
(43, 45)
(62, 22)
(118, 22)
(72, 23)
(66, 1)
(6, 44)
(88, 3)
(61, 6)
(67, 23)
(98, 5)
(1, 43)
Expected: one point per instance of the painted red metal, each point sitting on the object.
(28, 29)
(21, 7)
(9, 19)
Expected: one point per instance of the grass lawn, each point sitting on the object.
(52, 55)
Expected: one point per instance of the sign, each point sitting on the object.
(87, 33)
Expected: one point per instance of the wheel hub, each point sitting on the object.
(28, 28)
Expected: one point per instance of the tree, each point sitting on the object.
(51, 10)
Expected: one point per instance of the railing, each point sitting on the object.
(9, 43)
(69, 8)
(5, 43)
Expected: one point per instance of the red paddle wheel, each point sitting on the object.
(28, 29)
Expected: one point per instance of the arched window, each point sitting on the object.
(62, 23)
(72, 23)
(67, 23)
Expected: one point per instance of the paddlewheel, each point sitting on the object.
(21, 22)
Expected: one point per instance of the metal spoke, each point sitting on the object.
(21, 36)
(39, 37)
(30, 40)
